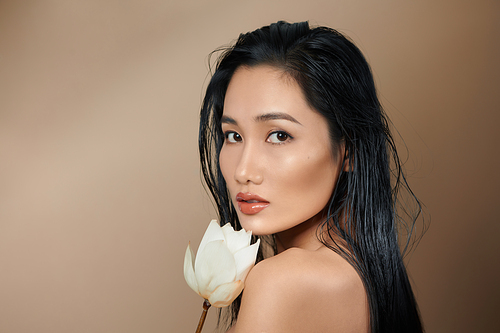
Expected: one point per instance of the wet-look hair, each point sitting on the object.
(365, 213)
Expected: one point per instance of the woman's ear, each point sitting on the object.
(347, 164)
(345, 157)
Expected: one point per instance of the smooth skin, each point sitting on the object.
(278, 148)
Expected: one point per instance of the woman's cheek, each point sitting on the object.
(310, 179)
(223, 163)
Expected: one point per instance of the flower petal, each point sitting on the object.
(245, 260)
(214, 266)
(189, 275)
(226, 293)
(236, 240)
(212, 233)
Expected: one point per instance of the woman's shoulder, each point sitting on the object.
(300, 290)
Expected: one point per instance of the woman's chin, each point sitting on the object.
(256, 226)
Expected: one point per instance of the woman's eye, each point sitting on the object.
(278, 137)
(233, 137)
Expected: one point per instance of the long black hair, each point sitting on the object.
(337, 82)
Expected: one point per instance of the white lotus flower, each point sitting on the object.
(222, 263)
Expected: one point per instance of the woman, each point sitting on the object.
(294, 146)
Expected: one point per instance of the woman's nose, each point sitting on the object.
(248, 167)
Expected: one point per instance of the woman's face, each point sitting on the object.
(277, 157)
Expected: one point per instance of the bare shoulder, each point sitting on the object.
(303, 291)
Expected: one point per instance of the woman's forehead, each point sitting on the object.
(261, 90)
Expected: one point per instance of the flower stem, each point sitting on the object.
(206, 306)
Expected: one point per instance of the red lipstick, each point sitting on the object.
(250, 204)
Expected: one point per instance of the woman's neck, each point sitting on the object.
(303, 236)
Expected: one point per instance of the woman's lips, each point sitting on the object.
(250, 204)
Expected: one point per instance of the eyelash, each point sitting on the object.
(288, 137)
(286, 134)
(228, 133)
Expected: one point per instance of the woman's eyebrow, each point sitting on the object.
(276, 115)
(228, 120)
(263, 117)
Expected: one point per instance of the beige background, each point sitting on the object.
(99, 178)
